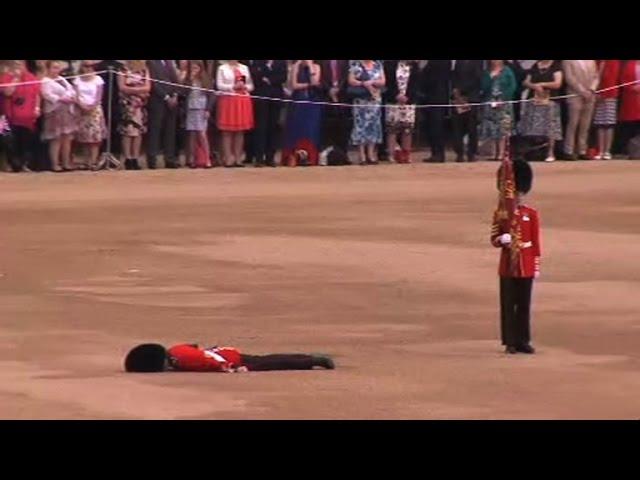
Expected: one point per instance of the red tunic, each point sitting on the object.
(630, 102)
(529, 221)
(191, 358)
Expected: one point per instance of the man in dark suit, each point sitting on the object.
(466, 84)
(269, 77)
(111, 84)
(435, 84)
(249, 136)
(163, 113)
(336, 120)
(520, 72)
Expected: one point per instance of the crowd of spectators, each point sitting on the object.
(56, 115)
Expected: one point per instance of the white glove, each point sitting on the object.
(505, 239)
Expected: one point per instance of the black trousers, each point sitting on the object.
(279, 361)
(336, 128)
(626, 131)
(465, 124)
(265, 135)
(5, 145)
(435, 119)
(22, 148)
(181, 130)
(382, 148)
(515, 311)
(41, 161)
(162, 129)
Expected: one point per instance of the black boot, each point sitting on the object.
(127, 164)
(526, 349)
(323, 361)
(151, 162)
(135, 164)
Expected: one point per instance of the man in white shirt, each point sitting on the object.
(581, 77)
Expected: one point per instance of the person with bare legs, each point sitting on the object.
(92, 129)
(498, 86)
(400, 110)
(60, 117)
(605, 117)
(367, 79)
(235, 110)
(134, 87)
(199, 103)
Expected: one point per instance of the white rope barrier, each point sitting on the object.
(381, 105)
(334, 104)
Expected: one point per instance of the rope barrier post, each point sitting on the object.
(108, 160)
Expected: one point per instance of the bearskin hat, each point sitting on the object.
(523, 175)
(148, 357)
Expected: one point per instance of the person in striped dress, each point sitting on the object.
(605, 117)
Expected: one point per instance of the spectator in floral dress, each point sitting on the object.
(92, 129)
(498, 85)
(134, 89)
(400, 111)
(541, 117)
(366, 81)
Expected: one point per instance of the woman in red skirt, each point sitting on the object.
(235, 109)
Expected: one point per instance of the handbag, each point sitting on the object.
(5, 128)
(633, 147)
(358, 91)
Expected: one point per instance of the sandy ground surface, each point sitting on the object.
(386, 268)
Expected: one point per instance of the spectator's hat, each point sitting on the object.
(148, 357)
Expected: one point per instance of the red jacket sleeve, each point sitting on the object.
(535, 235)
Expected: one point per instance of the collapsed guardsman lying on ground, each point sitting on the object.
(152, 357)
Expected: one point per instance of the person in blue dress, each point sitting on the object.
(303, 127)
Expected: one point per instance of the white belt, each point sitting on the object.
(216, 356)
(525, 245)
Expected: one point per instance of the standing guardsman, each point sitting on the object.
(516, 231)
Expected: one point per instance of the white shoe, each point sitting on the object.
(323, 159)
(550, 159)
(598, 157)
(607, 156)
